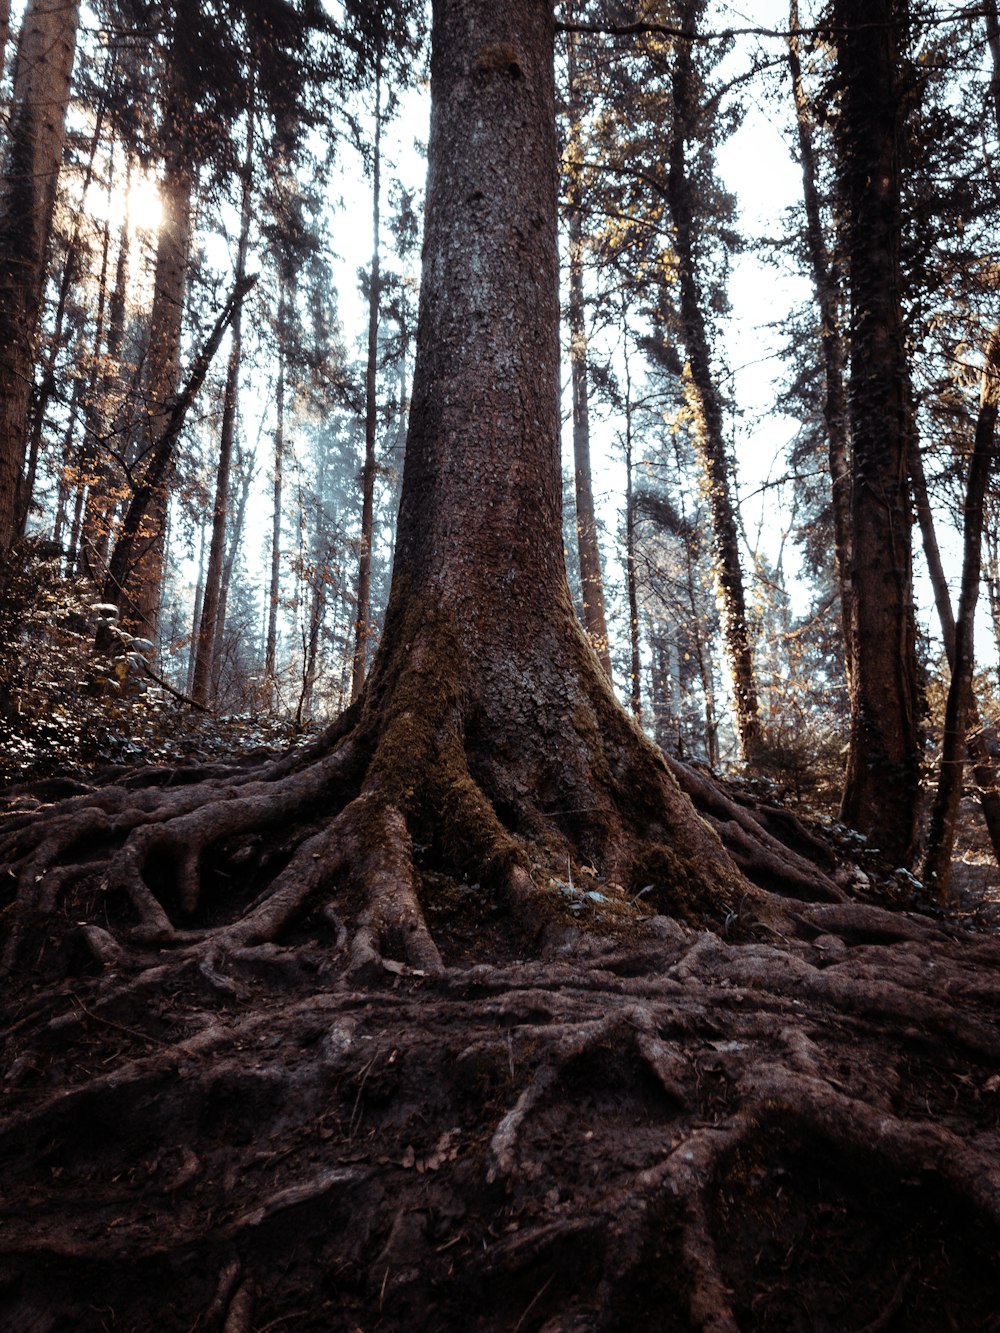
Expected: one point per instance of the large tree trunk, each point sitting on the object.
(28, 177)
(591, 576)
(4, 31)
(704, 395)
(883, 767)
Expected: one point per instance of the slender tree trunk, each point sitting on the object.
(944, 812)
(28, 178)
(97, 520)
(883, 767)
(199, 597)
(979, 754)
(635, 672)
(993, 39)
(158, 466)
(244, 473)
(835, 415)
(279, 452)
(705, 400)
(204, 656)
(4, 32)
(591, 576)
(363, 608)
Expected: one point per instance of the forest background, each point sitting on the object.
(277, 501)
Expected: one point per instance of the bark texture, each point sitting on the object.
(30, 170)
(883, 767)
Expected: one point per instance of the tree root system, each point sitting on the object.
(392, 1035)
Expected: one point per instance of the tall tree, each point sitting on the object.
(28, 177)
(883, 766)
(588, 546)
(212, 595)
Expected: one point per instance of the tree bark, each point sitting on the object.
(635, 663)
(205, 647)
(704, 396)
(46, 50)
(883, 766)
(835, 415)
(363, 628)
(591, 575)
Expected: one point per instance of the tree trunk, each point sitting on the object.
(274, 587)
(122, 563)
(835, 417)
(635, 663)
(944, 813)
(4, 32)
(591, 576)
(363, 628)
(704, 398)
(30, 170)
(982, 761)
(141, 581)
(883, 766)
(205, 647)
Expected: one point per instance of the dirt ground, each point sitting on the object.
(792, 1126)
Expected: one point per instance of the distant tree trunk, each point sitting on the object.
(591, 576)
(205, 647)
(993, 39)
(944, 812)
(705, 400)
(4, 31)
(142, 580)
(97, 520)
(244, 475)
(883, 767)
(279, 451)
(635, 664)
(199, 597)
(835, 414)
(363, 606)
(159, 463)
(28, 177)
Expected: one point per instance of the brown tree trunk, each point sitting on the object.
(205, 645)
(883, 766)
(363, 628)
(704, 398)
(28, 177)
(591, 576)
(835, 416)
(944, 812)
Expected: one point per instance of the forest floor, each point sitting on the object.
(784, 1125)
